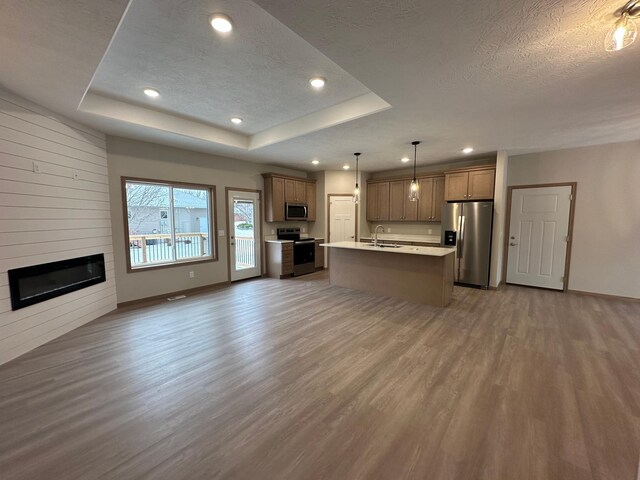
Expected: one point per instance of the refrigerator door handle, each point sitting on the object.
(461, 236)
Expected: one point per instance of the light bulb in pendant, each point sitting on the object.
(356, 195)
(413, 191)
(621, 35)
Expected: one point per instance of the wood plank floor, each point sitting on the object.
(296, 379)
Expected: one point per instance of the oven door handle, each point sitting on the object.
(298, 242)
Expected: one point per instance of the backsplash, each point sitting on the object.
(405, 228)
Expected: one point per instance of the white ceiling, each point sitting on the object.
(495, 74)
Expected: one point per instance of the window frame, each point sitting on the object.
(213, 222)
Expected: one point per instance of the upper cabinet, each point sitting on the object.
(471, 184)
(310, 195)
(431, 199)
(280, 189)
(400, 207)
(378, 201)
(295, 191)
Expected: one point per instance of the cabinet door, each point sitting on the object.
(372, 202)
(438, 198)
(301, 192)
(383, 201)
(290, 191)
(311, 200)
(319, 255)
(425, 203)
(410, 208)
(277, 199)
(481, 184)
(396, 200)
(455, 187)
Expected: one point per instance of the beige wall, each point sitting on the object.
(146, 160)
(499, 213)
(58, 213)
(606, 235)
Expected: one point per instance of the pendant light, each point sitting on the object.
(356, 191)
(414, 190)
(624, 31)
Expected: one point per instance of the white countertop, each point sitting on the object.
(275, 240)
(406, 249)
(399, 237)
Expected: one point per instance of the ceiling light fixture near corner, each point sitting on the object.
(317, 82)
(623, 32)
(236, 120)
(345, 167)
(315, 162)
(151, 92)
(221, 23)
(467, 150)
(404, 159)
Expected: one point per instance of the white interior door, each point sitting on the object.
(538, 236)
(342, 219)
(244, 234)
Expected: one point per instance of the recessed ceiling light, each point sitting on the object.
(236, 120)
(151, 92)
(404, 159)
(315, 162)
(346, 167)
(467, 150)
(317, 82)
(221, 23)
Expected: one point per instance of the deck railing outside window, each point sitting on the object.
(156, 247)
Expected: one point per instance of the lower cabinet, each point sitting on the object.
(279, 259)
(319, 254)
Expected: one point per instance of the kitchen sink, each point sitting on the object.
(383, 246)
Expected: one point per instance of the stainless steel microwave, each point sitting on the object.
(296, 211)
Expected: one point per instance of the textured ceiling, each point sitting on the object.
(260, 72)
(495, 74)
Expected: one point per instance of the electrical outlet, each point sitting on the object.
(221, 233)
(273, 232)
(192, 274)
(304, 230)
(389, 230)
(430, 231)
(76, 175)
(36, 167)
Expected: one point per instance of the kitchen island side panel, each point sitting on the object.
(419, 278)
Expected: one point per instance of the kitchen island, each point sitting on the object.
(420, 274)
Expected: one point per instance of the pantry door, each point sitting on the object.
(539, 236)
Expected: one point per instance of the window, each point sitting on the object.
(168, 223)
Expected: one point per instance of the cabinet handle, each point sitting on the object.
(469, 196)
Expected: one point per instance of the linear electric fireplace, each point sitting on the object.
(37, 283)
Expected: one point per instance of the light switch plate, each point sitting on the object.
(221, 233)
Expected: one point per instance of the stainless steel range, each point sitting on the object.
(304, 250)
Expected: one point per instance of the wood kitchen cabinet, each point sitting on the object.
(378, 201)
(295, 191)
(311, 200)
(431, 199)
(400, 207)
(279, 259)
(472, 184)
(280, 189)
(319, 254)
(274, 199)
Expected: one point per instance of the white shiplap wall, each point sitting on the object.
(49, 216)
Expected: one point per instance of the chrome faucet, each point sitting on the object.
(375, 238)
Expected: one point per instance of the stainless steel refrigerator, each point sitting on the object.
(467, 226)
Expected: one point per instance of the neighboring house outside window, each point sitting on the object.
(168, 223)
